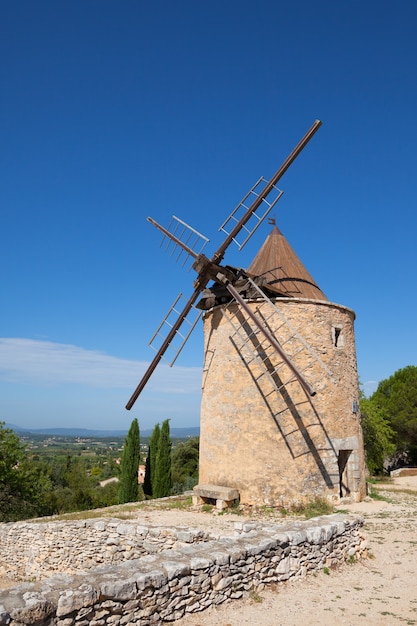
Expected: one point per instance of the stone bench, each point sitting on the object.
(224, 497)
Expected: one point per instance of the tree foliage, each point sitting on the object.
(128, 487)
(33, 485)
(162, 484)
(396, 397)
(74, 487)
(377, 436)
(185, 465)
(23, 484)
(149, 483)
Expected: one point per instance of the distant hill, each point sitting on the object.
(176, 433)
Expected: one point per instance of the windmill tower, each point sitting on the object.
(262, 431)
(279, 415)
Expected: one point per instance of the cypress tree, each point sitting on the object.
(163, 481)
(128, 486)
(147, 485)
(151, 461)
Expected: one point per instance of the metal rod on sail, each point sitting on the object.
(218, 256)
(171, 236)
(163, 349)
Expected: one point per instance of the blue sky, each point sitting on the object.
(110, 112)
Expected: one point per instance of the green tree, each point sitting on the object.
(163, 481)
(377, 436)
(150, 465)
(184, 459)
(106, 496)
(128, 486)
(147, 484)
(397, 398)
(22, 483)
(80, 486)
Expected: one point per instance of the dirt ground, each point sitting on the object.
(380, 590)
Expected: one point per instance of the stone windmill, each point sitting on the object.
(280, 418)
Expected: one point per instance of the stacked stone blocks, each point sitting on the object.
(162, 587)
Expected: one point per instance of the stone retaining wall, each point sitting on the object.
(45, 548)
(162, 587)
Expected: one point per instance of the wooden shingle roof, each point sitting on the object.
(283, 270)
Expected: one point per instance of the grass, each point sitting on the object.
(254, 595)
(80, 515)
(407, 492)
(176, 504)
(375, 495)
(268, 510)
(313, 508)
(123, 511)
(376, 480)
(232, 510)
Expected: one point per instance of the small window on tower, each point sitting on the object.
(338, 337)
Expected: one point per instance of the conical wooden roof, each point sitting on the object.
(283, 270)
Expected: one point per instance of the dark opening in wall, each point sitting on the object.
(344, 488)
(338, 336)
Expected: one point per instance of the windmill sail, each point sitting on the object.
(181, 336)
(171, 335)
(257, 216)
(180, 237)
(187, 239)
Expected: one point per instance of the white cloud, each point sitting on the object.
(46, 363)
(369, 387)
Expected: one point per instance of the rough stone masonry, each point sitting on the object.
(173, 571)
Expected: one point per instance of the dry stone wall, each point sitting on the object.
(191, 573)
(46, 548)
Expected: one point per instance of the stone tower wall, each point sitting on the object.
(264, 435)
